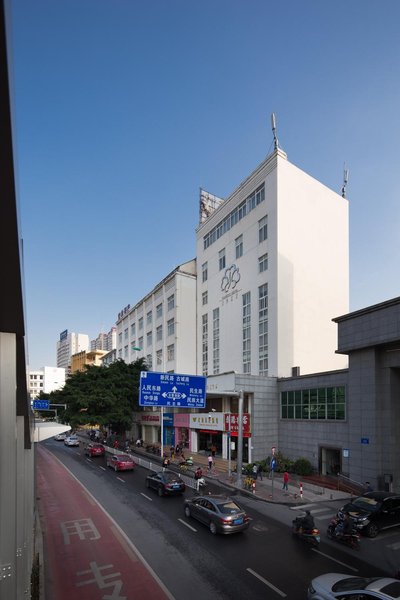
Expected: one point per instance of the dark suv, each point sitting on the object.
(373, 511)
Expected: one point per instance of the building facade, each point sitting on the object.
(105, 341)
(162, 327)
(83, 359)
(69, 344)
(45, 380)
(273, 269)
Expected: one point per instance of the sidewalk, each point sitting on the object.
(268, 490)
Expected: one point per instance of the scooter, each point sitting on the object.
(310, 536)
(351, 539)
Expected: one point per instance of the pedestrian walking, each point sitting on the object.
(213, 450)
(255, 471)
(260, 471)
(285, 481)
(210, 462)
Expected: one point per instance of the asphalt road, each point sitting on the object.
(263, 562)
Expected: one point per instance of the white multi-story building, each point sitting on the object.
(105, 341)
(69, 344)
(45, 380)
(273, 271)
(162, 326)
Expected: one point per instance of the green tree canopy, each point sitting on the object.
(102, 395)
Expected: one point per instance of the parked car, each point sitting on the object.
(71, 440)
(95, 450)
(337, 585)
(120, 462)
(373, 511)
(220, 513)
(167, 483)
(60, 437)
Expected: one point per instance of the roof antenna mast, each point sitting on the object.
(273, 123)
(345, 180)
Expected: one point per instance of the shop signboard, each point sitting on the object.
(207, 421)
(232, 424)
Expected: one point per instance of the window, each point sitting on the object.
(159, 358)
(159, 333)
(222, 259)
(140, 323)
(171, 352)
(133, 329)
(171, 327)
(149, 317)
(263, 329)
(149, 361)
(246, 321)
(216, 341)
(263, 263)
(120, 338)
(204, 298)
(133, 344)
(238, 213)
(158, 311)
(149, 338)
(171, 302)
(239, 246)
(120, 353)
(204, 272)
(263, 229)
(141, 342)
(314, 404)
(125, 351)
(204, 341)
(126, 333)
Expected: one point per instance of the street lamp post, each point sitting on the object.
(240, 440)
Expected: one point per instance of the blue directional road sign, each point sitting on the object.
(41, 404)
(172, 389)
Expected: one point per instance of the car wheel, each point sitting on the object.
(187, 511)
(160, 491)
(213, 527)
(372, 530)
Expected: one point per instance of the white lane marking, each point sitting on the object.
(148, 497)
(187, 525)
(302, 506)
(267, 583)
(89, 460)
(395, 546)
(335, 560)
(102, 468)
(119, 478)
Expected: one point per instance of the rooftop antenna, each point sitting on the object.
(273, 123)
(345, 180)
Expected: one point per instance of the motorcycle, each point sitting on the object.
(310, 536)
(351, 539)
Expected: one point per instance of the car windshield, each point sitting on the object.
(171, 478)
(365, 503)
(353, 583)
(229, 507)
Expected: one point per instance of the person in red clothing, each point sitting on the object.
(285, 481)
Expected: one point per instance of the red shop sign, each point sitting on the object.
(232, 423)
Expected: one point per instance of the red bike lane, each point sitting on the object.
(86, 555)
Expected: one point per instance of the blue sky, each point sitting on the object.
(125, 108)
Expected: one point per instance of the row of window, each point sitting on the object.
(149, 318)
(149, 335)
(316, 403)
(246, 334)
(263, 260)
(149, 358)
(244, 208)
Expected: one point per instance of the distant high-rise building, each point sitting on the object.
(69, 344)
(45, 380)
(105, 341)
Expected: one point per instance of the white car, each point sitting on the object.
(71, 440)
(60, 437)
(338, 585)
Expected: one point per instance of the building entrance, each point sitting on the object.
(330, 461)
(210, 439)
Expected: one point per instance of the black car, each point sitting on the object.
(373, 511)
(221, 514)
(167, 483)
